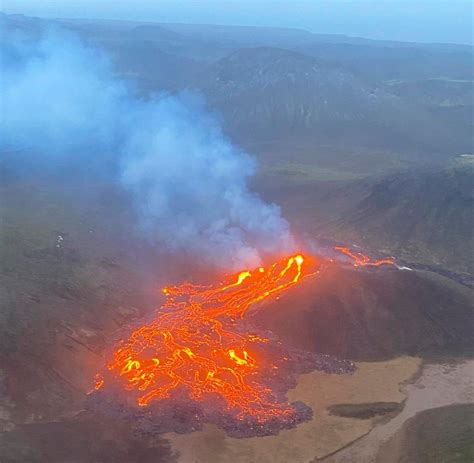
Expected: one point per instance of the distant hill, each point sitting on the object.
(276, 36)
(271, 93)
(445, 93)
(268, 89)
(277, 83)
(380, 62)
(144, 61)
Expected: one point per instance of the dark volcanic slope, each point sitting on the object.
(81, 441)
(373, 314)
(426, 216)
(65, 289)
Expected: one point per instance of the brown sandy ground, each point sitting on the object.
(324, 434)
(439, 385)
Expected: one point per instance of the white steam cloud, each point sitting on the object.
(189, 183)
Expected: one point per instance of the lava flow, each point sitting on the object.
(195, 347)
(361, 260)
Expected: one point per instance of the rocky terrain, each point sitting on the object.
(363, 142)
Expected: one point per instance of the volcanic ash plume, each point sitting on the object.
(61, 99)
(190, 186)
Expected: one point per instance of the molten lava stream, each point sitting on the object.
(194, 348)
(361, 260)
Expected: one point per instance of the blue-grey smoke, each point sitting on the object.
(60, 98)
(57, 95)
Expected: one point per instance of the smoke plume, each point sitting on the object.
(189, 183)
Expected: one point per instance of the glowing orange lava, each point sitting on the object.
(361, 260)
(194, 347)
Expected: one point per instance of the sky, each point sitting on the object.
(447, 21)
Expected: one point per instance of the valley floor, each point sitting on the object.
(325, 433)
(439, 385)
(340, 438)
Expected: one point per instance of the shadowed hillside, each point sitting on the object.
(426, 216)
(374, 314)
